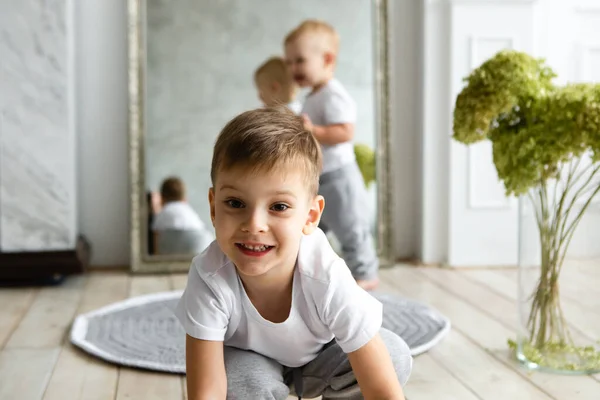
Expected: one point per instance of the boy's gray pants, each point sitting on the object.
(254, 376)
(347, 214)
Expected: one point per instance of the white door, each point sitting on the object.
(574, 53)
(482, 221)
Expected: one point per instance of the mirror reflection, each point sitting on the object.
(208, 62)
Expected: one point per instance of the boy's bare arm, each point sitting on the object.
(330, 134)
(375, 372)
(333, 134)
(205, 369)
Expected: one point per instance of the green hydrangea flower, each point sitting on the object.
(365, 158)
(534, 126)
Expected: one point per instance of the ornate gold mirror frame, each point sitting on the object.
(141, 262)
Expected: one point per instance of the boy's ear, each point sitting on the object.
(329, 58)
(314, 215)
(211, 201)
(275, 86)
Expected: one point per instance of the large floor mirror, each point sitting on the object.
(191, 68)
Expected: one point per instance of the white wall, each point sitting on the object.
(37, 139)
(101, 48)
(103, 174)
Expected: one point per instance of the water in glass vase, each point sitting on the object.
(559, 261)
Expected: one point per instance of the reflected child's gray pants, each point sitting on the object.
(347, 214)
(253, 376)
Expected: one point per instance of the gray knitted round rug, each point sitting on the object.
(142, 332)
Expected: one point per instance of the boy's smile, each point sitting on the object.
(254, 249)
(260, 217)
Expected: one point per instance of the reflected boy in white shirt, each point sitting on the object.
(330, 113)
(178, 221)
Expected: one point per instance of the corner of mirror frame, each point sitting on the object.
(385, 231)
(135, 131)
(139, 261)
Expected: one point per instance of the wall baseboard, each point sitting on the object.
(44, 266)
(108, 268)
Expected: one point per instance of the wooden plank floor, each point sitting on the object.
(472, 362)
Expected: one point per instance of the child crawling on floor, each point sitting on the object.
(269, 308)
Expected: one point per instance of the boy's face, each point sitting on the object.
(308, 63)
(259, 218)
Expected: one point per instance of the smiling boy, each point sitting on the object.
(269, 307)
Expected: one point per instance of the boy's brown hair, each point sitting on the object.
(265, 139)
(275, 70)
(322, 29)
(172, 189)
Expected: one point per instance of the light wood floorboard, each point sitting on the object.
(472, 362)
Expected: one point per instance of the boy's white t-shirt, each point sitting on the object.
(295, 106)
(332, 104)
(326, 304)
(177, 215)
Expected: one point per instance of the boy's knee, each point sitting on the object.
(254, 390)
(253, 385)
(403, 367)
(253, 376)
(400, 354)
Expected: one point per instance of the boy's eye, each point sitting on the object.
(279, 207)
(234, 203)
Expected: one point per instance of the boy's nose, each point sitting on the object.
(256, 222)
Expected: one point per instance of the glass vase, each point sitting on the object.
(557, 308)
